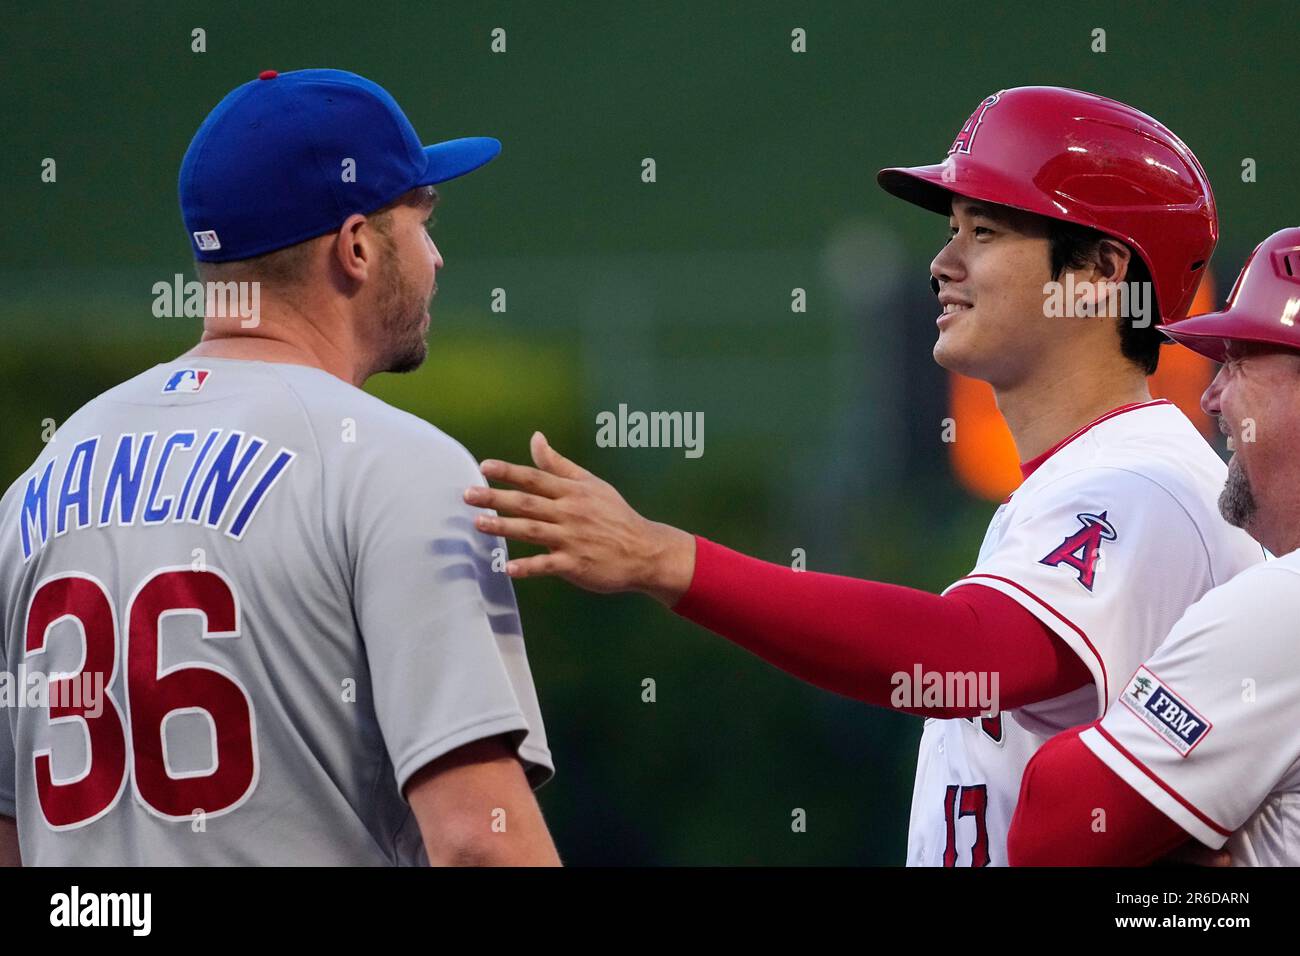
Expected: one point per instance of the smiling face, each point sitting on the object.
(990, 277)
(1256, 398)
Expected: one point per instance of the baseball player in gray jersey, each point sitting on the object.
(248, 619)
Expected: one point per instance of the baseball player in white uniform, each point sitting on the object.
(1199, 741)
(1135, 489)
(269, 631)
(1110, 538)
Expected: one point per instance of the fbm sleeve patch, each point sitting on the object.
(1164, 712)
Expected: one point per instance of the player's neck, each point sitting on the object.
(284, 339)
(1277, 528)
(1048, 407)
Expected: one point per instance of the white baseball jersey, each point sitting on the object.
(1203, 729)
(1108, 541)
(277, 581)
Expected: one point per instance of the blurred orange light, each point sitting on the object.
(1183, 375)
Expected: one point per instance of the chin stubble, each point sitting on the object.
(1237, 500)
(402, 315)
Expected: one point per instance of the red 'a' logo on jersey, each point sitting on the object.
(966, 135)
(1082, 549)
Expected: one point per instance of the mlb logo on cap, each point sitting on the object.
(186, 380)
(207, 240)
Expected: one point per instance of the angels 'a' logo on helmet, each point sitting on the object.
(966, 136)
(1082, 549)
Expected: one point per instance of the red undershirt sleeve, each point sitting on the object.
(1076, 811)
(852, 636)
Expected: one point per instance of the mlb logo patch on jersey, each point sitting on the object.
(186, 380)
(1164, 711)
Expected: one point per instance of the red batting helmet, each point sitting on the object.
(1263, 306)
(1083, 159)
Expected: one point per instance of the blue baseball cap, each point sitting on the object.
(289, 156)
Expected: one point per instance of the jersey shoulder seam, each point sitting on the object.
(1209, 561)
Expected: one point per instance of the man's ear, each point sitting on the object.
(1113, 259)
(356, 247)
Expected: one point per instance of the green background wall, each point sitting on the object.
(822, 428)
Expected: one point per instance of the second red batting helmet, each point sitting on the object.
(1088, 160)
(1263, 306)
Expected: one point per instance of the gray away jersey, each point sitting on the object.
(277, 580)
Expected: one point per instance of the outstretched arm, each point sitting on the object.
(596, 540)
(843, 634)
